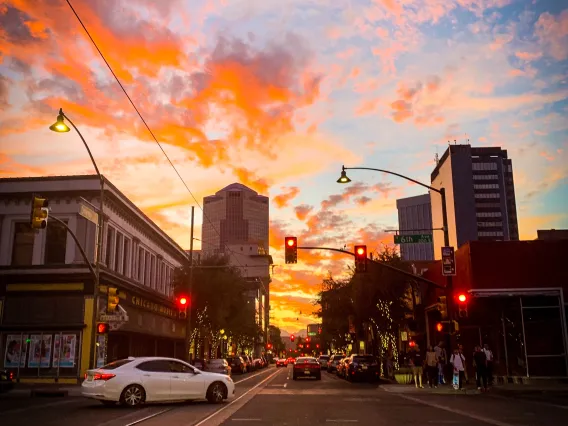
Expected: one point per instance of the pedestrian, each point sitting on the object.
(480, 364)
(457, 360)
(416, 362)
(489, 356)
(442, 357)
(432, 367)
(465, 375)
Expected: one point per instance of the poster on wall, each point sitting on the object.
(64, 349)
(101, 351)
(15, 351)
(40, 351)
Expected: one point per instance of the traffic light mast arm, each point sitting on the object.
(408, 274)
(78, 244)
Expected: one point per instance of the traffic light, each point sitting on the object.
(360, 259)
(443, 307)
(447, 327)
(39, 213)
(112, 299)
(182, 302)
(462, 305)
(292, 337)
(291, 249)
(269, 346)
(317, 345)
(102, 328)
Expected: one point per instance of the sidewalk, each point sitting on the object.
(43, 390)
(440, 390)
(471, 389)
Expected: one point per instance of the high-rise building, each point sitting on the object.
(480, 196)
(415, 217)
(235, 223)
(234, 215)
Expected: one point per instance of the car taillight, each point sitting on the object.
(11, 376)
(103, 376)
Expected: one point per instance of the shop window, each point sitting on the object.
(543, 332)
(140, 264)
(118, 251)
(23, 244)
(55, 243)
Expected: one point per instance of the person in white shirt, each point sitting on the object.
(489, 356)
(458, 361)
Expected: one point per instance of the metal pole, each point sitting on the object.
(190, 288)
(505, 344)
(524, 336)
(449, 281)
(99, 245)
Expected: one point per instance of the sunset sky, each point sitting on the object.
(278, 95)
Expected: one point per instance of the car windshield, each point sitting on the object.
(115, 364)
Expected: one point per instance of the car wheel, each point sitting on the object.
(133, 396)
(216, 393)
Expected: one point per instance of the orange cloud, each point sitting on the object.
(282, 200)
(552, 32)
(302, 211)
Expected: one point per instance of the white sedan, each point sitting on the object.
(134, 381)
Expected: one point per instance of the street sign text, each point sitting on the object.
(413, 239)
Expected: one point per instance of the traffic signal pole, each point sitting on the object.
(190, 288)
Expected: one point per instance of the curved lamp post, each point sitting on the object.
(345, 179)
(60, 127)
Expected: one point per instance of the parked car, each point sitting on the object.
(135, 381)
(6, 381)
(248, 363)
(362, 366)
(220, 366)
(237, 364)
(306, 367)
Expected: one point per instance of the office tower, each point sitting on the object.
(415, 217)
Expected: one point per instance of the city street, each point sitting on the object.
(271, 397)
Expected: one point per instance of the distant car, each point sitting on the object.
(323, 360)
(135, 381)
(334, 362)
(290, 360)
(220, 366)
(6, 381)
(281, 362)
(306, 367)
(237, 364)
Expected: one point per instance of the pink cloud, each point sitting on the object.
(552, 32)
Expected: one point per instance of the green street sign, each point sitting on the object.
(413, 239)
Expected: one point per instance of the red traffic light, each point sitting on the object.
(412, 343)
(361, 250)
(462, 298)
(439, 327)
(290, 241)
(317, 345)
(291, 337)
(102, 328)
(183, 301)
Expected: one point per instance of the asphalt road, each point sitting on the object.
(271, 397)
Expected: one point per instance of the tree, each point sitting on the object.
(274, 337)
(336, 306)
(218, 300)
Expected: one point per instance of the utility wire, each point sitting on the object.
(152, 133)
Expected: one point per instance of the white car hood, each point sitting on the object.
(212, 375)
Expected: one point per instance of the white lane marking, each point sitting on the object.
(232, 402)
(341, 421)
(543, 403)
(250, 377)
(246, 420)
(143, 419)
(34, 407)
(456, 411)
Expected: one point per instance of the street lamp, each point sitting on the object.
(442, 191)
(60, 127)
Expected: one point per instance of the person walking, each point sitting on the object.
(480, 364)
(432, 367)
(442, 358)
(489, 356)
(416, 361)
(457, 360)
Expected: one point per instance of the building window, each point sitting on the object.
(486, 186)
(125, 257)
(490, 234)
(484, 166)
(159, 277)
(118, 250)
(485, 177)
(147, 269)
(487, 205)
(490, 195)
(490, 224)
(153, 273)
(109, 246)
(140, 264)
(488, 214)
(23, 248)
(55, 243)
